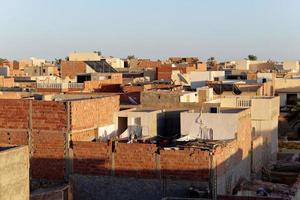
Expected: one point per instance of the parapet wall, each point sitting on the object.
(140, 161)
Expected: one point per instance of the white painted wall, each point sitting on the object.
(191, 97)
(115, 62)
(107, 132)
(242, 64)
(267, 76)
(223, 125)
(198, 78)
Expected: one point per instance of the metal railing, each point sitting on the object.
(59, 85)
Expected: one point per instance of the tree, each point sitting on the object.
(252, 57)
(67, 58)
(130, 57)
(58, 61)
(211, 62)
(211, 59)
(98, 52)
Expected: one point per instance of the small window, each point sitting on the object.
(44, 71)
(213, 110)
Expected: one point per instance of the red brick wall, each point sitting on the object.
(14, 137)
(91, 158)
(144, 63)
(140, 160)
(49, 121)
(87, 135)
(47, 161)
(188, 163)
(164, 72)
(95, 84)
(49, 115)
(93, 112)
(49, 125)
(72, 68)
(136, 160)
(14, 114)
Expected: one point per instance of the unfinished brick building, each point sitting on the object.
(146, 171)
(47, 127)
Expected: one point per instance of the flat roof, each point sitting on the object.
(145, 110)
(287, 90)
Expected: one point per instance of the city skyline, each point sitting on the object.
(157, 30)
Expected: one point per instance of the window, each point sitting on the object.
(213, 110)
(44, 71)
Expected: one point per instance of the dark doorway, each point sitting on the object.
(122, 124)
(291, 99)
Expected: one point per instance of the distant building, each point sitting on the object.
(189, 60)
(41, 70)
(252, 64)
(292, 65)
(38, 61)
(115, 62)
(198, 78)
(71, 68)
(85, 56)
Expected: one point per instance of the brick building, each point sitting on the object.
(151, 172)
(47, 127)
(71, 68)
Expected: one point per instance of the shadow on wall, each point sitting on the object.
(141, 171)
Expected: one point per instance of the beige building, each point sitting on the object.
(288, 89)
(115, 62)
(33, 61)
(264, 119)
(245, 64)
(292, 65)
(41, 70)
(85, 56)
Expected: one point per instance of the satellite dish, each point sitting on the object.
(181, 77)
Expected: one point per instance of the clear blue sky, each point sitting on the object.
(225, 29)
